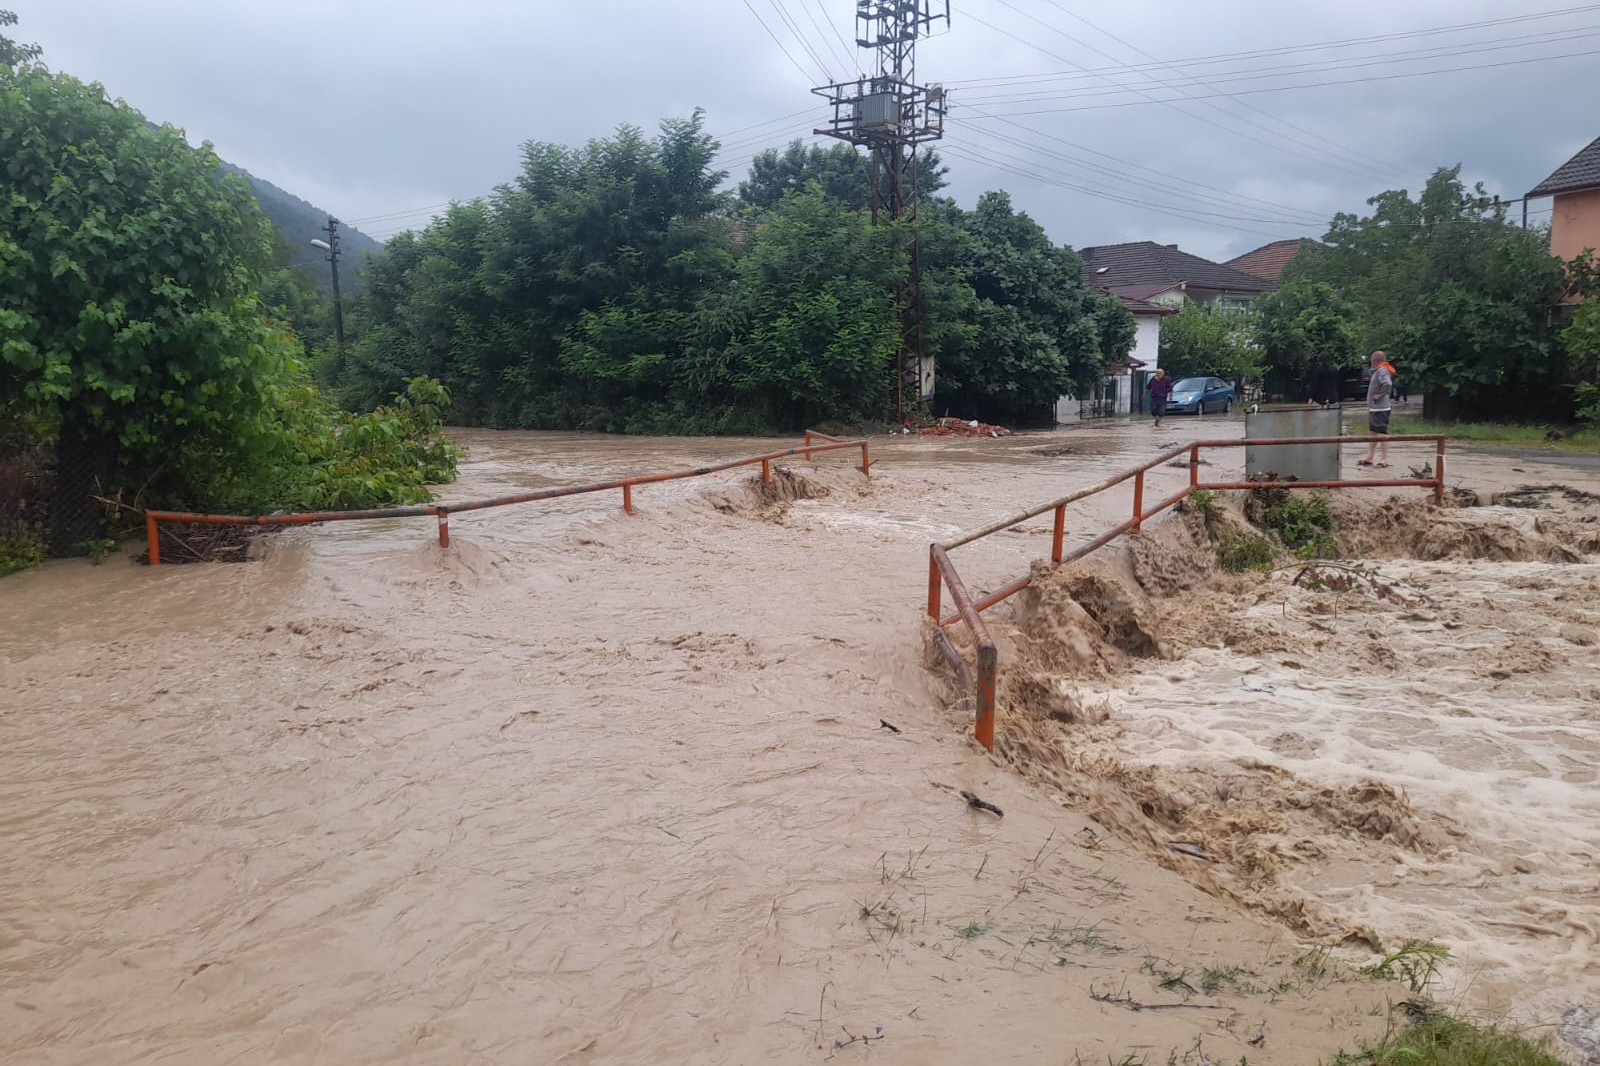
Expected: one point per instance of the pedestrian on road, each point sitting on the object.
(1379, 389)
(1160, 389)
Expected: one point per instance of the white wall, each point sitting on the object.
(1147, 340)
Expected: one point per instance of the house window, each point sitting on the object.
(1234, 305)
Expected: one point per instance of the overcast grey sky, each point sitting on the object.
(371, 109)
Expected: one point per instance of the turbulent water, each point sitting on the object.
(587, 787)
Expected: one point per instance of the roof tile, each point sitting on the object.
(1148, 263)
(1582, 171)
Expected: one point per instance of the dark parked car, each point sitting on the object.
(1355, 386)
(1199, 395)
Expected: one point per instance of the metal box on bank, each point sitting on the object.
(1303, 462)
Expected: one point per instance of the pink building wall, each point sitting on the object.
(1575, 223)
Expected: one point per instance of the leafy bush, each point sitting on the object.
(307, 455)
(1416, 962)
(1303, 523)
(21, 546)
(1238, 551)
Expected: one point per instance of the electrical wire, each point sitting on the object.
(1347, 42)
(1247, 74)
(845, 45)
(1174, 105)
(781, 46)
(804, 41)
(1218, 198)
(1323, 84)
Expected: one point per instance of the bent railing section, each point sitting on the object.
(983, 680)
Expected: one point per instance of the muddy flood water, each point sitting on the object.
(590, 788)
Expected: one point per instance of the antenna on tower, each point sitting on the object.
(890, 115)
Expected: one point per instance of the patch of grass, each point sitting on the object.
(1218, 978)
(1537, 436)
(1448, 1042)
(1238, 551)
(971, 931)
(1416, 963)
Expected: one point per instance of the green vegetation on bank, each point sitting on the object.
(1531, 436)
(1448, 1042)
(135, 347)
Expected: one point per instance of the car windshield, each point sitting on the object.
(1190, 385)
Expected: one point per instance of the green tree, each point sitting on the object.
(1304, 325)
(1033, 332)
(1205, 338)
(843, 172)
(127, 261)
(12, 52)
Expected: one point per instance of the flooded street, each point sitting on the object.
(587, 787)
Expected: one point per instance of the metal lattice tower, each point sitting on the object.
(890, 114)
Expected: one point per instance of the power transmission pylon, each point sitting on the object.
(890, 114)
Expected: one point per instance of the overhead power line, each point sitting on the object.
(1347, 42)
(1323, 84)
(781, 46)
(1248, 74)
(1287, 149)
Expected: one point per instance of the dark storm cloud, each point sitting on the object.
(370, 108)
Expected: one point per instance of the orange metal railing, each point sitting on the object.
(942, 572)
(442, 512)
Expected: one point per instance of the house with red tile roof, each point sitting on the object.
(1270, 260)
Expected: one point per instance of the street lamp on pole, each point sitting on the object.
(331, 246)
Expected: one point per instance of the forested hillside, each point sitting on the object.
(296, 222)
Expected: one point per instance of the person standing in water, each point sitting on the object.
(1379, 389)
(1160, 390)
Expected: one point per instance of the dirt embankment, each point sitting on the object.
(1287, 739)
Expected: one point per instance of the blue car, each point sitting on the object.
(1200, 395)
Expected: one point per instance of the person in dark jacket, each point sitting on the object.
(1160, 390)
(1324, 386)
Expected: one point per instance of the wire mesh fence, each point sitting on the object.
(54, 502)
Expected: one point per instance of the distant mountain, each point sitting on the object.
(297, 223)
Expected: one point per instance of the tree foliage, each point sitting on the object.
(1303, 326)
(844, 174)
(130, 322)
(1461, 299)
(1205, 338)
(14, 52)
(613, 288)
(1032, 331)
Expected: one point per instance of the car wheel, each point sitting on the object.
(1227, 406)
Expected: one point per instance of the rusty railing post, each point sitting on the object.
(865, 462)
(935, 585)
(152, 535)
(988, 667)
(1059, 536)
(444, 528)
(766, 471)
(1194, 467)
(808, 445)
(627, 499)
(1138, 500)
(1438, 470)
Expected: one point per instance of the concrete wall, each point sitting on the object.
(1575, 223)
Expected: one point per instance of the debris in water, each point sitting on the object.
(981, 805)
(890, 726)
(1194, 850)
(957, 427)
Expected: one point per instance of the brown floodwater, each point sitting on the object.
(589, 788)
